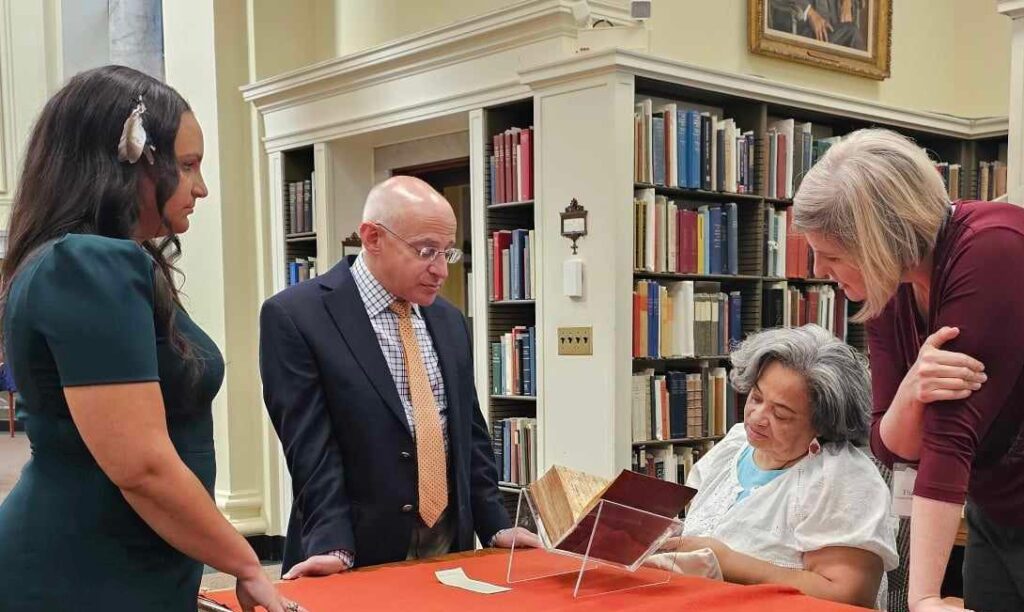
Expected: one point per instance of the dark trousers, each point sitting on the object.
(993, 564)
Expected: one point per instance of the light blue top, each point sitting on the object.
(751, 476)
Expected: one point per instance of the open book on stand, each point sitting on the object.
(637, 514)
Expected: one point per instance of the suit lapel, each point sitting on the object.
(346, 308)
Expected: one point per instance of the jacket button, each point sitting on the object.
(406, 455)
(407, 508)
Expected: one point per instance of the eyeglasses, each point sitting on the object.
(426, 254)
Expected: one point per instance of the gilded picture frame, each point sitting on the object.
(852, 36)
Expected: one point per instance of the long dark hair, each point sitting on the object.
(73, 182)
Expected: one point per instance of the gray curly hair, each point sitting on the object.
(836, 375)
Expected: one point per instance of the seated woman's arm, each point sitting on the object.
(837, 573)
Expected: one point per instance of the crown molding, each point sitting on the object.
(1014, 9)
(518, 24)
(748, 86)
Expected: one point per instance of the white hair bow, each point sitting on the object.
(133, 137)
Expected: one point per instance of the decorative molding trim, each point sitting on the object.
(1014, 9)
(663, 69)
(419, 111)
(527, 22)
(243, 509)
(523, 19)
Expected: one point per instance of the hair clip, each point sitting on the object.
(133, 145)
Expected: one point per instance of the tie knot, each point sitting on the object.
(401, 308)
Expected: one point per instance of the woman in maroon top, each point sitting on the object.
(942, 286)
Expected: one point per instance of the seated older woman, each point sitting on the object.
(787, 497)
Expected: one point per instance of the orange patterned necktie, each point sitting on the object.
(431, 462)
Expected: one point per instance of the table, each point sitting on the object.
(412, 586)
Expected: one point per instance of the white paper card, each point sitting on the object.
(457, 578)
(903, 478)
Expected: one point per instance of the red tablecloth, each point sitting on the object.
(414, 587)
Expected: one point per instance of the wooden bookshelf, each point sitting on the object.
(753, 205)
(679, 441)
(300, 239)
(507, 313)
(521, 204)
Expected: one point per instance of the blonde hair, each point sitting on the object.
(877, 195)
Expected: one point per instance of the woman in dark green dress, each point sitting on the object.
(114, 510)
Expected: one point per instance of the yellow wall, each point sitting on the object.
(361, 24)
(949, 56)
(292, 34)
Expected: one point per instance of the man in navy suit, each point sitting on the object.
(368, 380)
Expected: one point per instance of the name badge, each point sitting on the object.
(903, 478)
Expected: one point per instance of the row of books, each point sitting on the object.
(786, 251)
(792, 150)
(787, 306)
(678, 405)
(299, 205)
(991, 180)
(300, 269)
(511, 165)
(514, 442)
(669, 237)
(514, 362)
(684, 319)
(512, 265)
(951, 175)
(678, 147)
(671, 463)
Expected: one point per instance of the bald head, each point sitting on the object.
(404, 198)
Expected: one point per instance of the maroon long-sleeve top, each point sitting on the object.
(972, 447)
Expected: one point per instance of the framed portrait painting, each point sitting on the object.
(853, 36)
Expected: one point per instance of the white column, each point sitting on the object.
(29, 73)
(583, 150)
(1014, 9)
(221, 273)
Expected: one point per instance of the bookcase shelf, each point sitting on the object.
(699, 194)
(521, 204)
(298, 214)
(513, 338)
(643, 274)
(656, 361)
(305, 237)
(680, 441)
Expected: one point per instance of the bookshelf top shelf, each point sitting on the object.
(677, 441)
(644, 274)
(512, 302)
(699, 194)
(779, 201)
(677, 359)
(502, 205)
(811, 281)
(301, 237)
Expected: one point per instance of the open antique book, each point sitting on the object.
(637, 512)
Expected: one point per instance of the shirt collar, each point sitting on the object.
(375, 297)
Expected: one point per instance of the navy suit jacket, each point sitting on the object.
(350, 453)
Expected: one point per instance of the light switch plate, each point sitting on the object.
(575, 341)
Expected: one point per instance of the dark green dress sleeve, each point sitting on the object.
(93, 298)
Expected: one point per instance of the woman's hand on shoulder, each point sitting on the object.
(940, 375)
